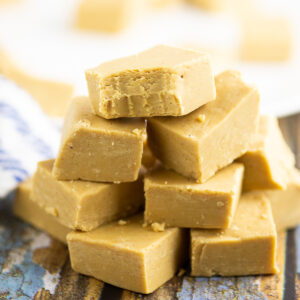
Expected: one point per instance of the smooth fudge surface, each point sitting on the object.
(84, 205)
(177, 201)
(210, 138)
(108, 15)
(161, 81)
(266, 38)
(96, 149)
(248, 247)
(269, 159)
(129, 255)
(286, 203)
(31, 212)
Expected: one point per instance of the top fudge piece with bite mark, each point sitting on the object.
(161, 81)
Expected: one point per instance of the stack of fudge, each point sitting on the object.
(160, 133)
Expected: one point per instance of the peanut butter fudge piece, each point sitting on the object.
(84, 205)
(176, 201)
(108, 15)
(129, 255)
(210, 138)
(96, 149)
(161, 81)
(31, 212)
(286, 204)
(268, 159)
(248, 247)
(266, 39)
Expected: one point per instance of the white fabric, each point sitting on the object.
(26, 136)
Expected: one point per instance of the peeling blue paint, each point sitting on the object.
(217, 288)
(22, 279)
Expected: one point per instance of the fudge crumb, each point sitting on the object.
(189, 188)
(201, 118)
(264, 217)
(158, 227)
(137, 131)
(166, 182)
(84, 123)
(117, 182)
(220, 203)
(234, 227)
(122, 222)
(51, 211)
(181, 272)
(112, 143)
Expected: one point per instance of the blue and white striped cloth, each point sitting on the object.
(27, 136)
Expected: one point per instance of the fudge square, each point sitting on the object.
(161, 81)
(128, 254)
(286, 203)
(248, 247)
(266, 38)
(31, 212)
(95, 149)
(210, 138)
(108, 15)
(84, 205)
(177, 201)
(269, 158)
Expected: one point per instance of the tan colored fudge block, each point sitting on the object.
(210, 138)
(266, 39)
(129, 256)
(286, 204)
(52, 96)
(269, 158)
(108, 15)
(96, 149)
(177, 201)
(161, 81)
(85, 205)
(248, 247)
(31, 212)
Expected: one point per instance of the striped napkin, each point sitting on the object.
(27, 136)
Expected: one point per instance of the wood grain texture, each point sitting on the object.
(290, 127)
(43, 272)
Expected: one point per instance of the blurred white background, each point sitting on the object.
(40, 36)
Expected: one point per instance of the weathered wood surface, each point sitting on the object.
(34, 266)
